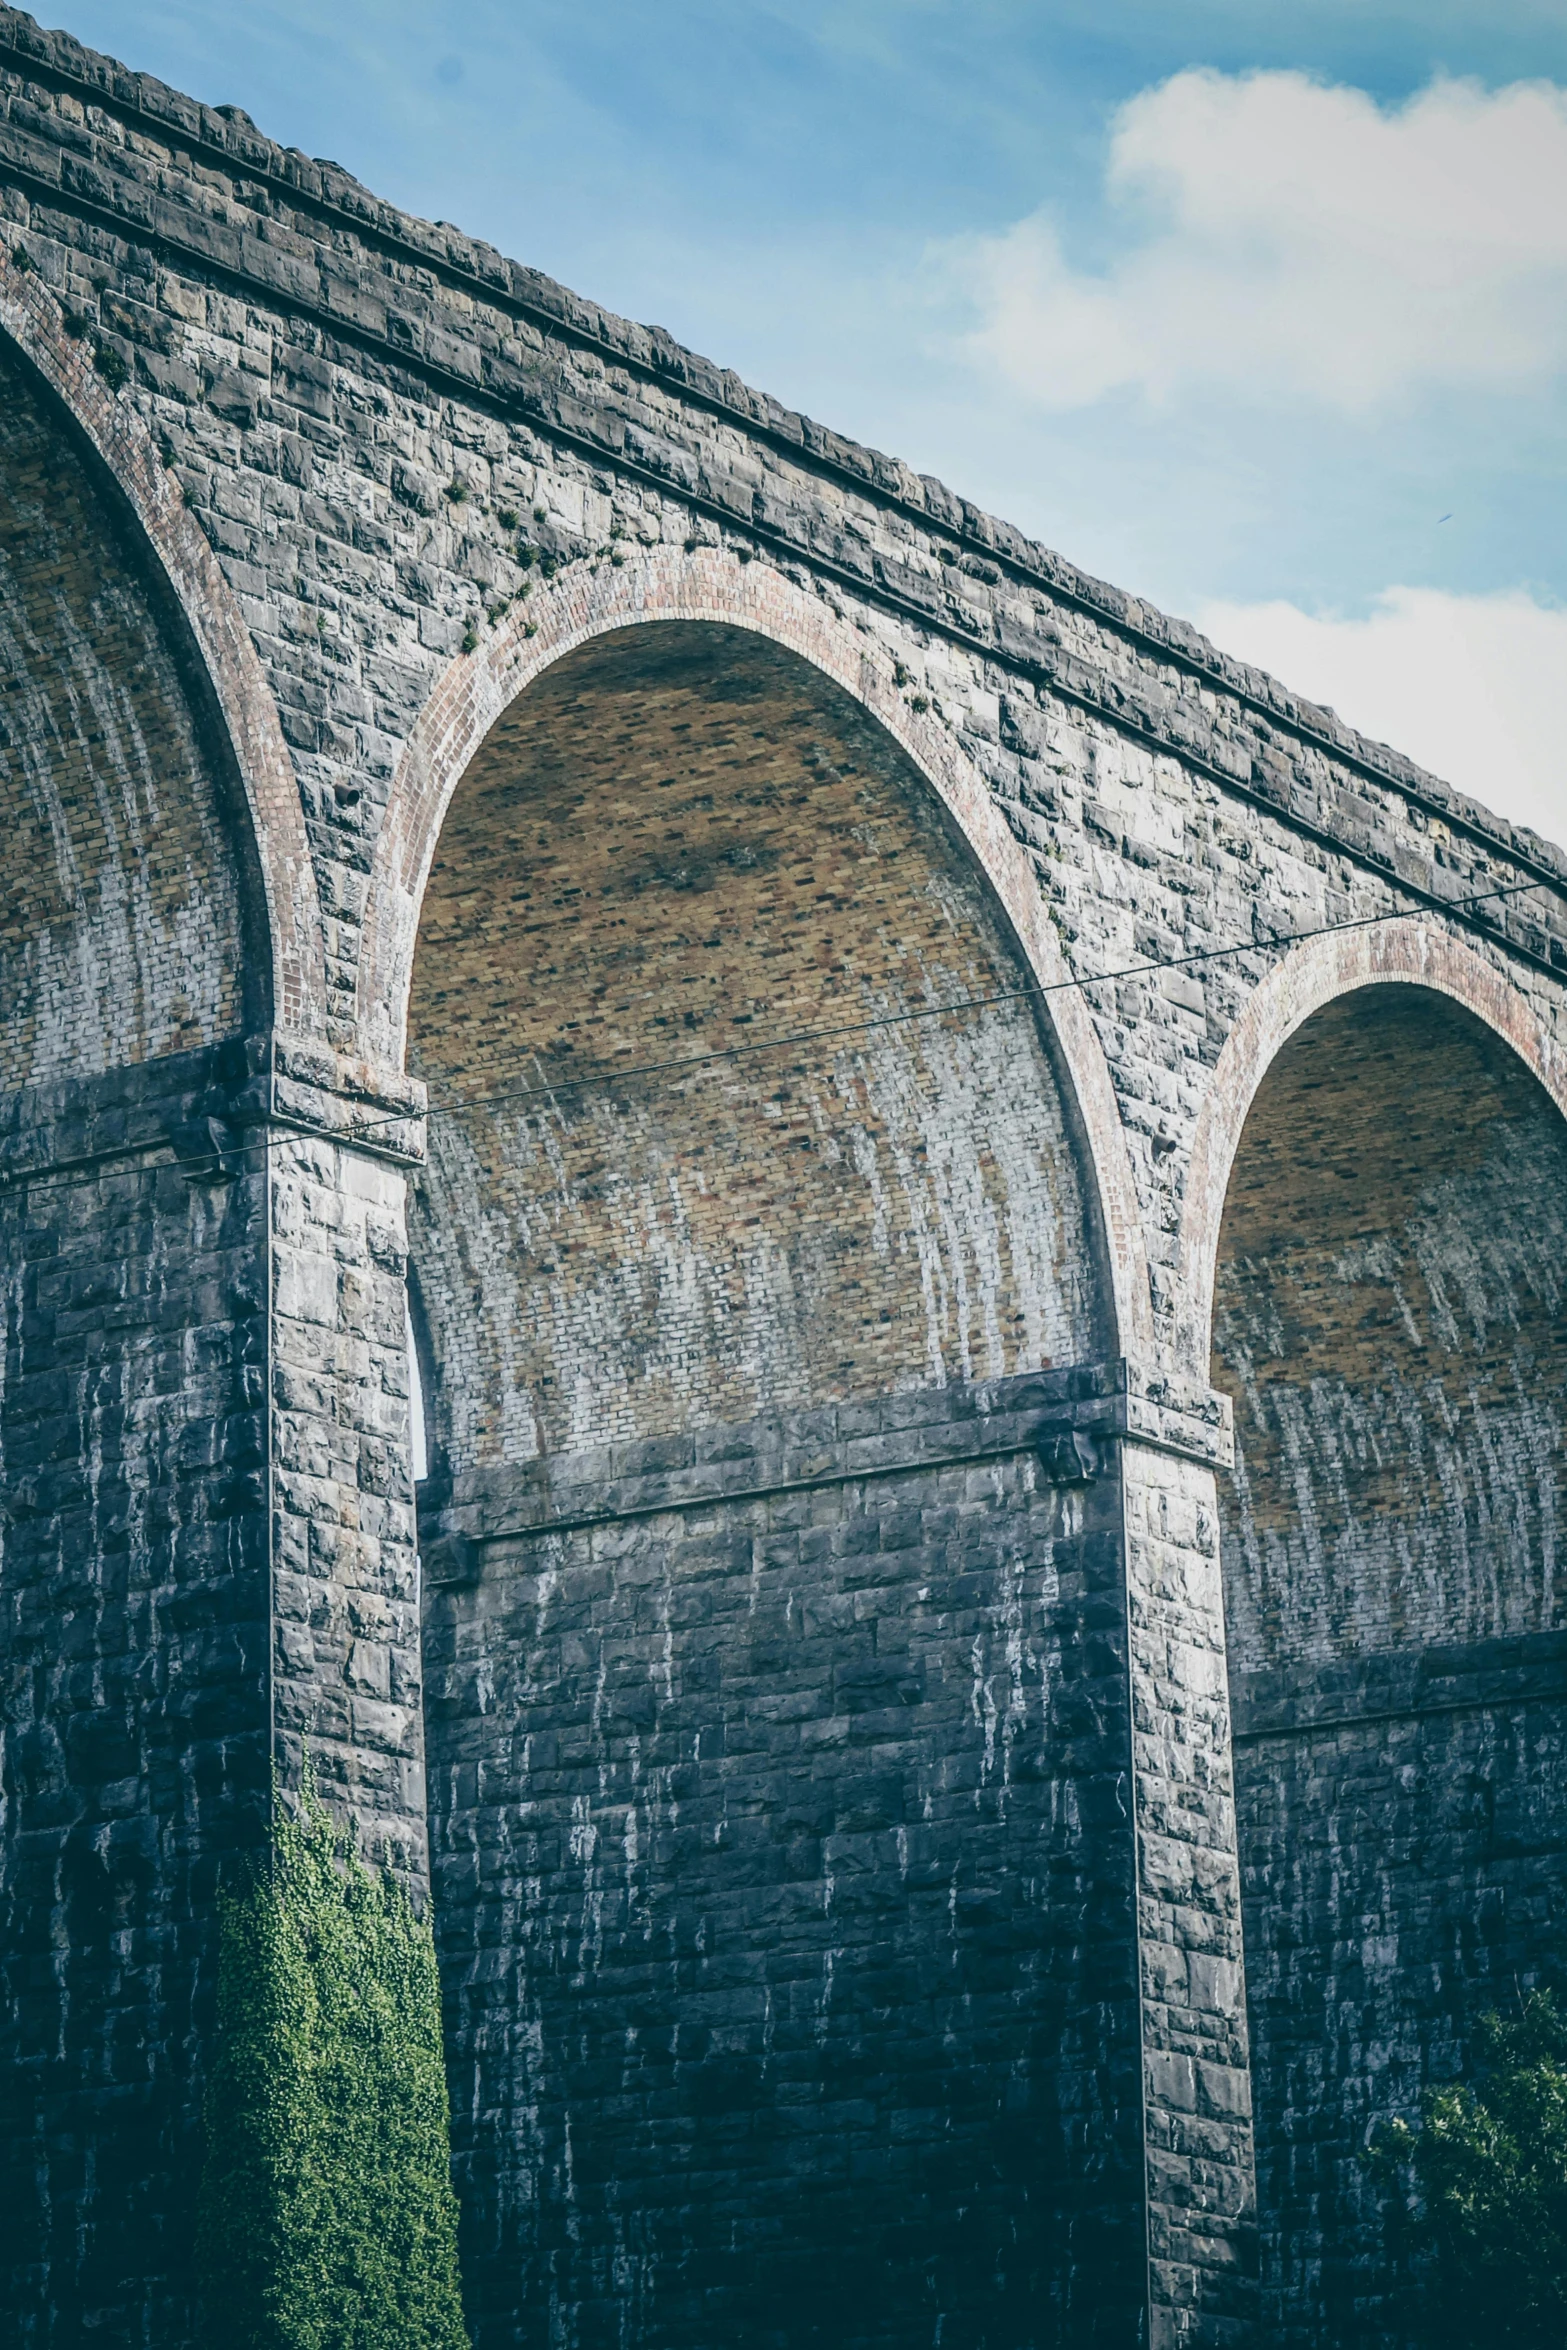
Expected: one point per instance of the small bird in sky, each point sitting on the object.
(1444, 518)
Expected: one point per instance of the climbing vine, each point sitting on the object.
(327, 2216)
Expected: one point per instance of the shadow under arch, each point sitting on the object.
(777, 1733)
(667, 586)
(220, 673)
(1379, 1229)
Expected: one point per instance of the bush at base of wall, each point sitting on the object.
(1487, 2216)
(328, 2220)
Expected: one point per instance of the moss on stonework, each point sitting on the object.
(327, 2219)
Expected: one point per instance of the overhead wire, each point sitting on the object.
(611, 1074)
(607, 1072)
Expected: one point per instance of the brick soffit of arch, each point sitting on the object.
(30, 321)
(1417, 952)
(711, 586)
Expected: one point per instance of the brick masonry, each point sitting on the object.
(430, 686)
(895, 1206)
(119, 922)
(1389, 1317)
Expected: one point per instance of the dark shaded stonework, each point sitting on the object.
(445, 731)
(785, 1767)
(135, 1567)
(1390, 1320)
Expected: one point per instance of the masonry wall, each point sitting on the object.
(344, 1664)
(134, 1548)
(412, 458)
(133, 1333)
(1389, 1320)
(792, 1991)
(679, 843)
(784, 1883)
(120, 934)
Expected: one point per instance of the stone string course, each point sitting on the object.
(850, 1918)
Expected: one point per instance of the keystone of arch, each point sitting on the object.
(30, 322)
(1417, 952)
(708, 585)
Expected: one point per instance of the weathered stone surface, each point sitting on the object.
(119, 919)
(409, 667)
(1390, 1317)
(134, 1571)
(784, 1880)
(667, 853)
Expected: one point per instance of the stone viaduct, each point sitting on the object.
(981, 1194)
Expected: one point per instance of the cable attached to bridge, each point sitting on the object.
(606, 1073)
(609, 1074)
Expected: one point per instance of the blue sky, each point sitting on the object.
(1258, 310)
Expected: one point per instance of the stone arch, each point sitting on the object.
(1386, 1273)
(219, 671)
(711, 587)
(1415, 952)
(738, 1513)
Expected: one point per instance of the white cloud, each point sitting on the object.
(1286, 239)
(1470, 686)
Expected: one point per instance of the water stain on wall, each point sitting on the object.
(679, 842)
(1389, 1321)
(119, 916)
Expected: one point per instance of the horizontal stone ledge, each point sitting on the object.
(209, 1108)
(1066, 1420)
(1349, 1693)
(1175, 1414)
(71, 1121)
(346, 1100)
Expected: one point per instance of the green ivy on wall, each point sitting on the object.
(327, 2218)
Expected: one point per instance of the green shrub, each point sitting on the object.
(1484, 2180)
(327, 2216)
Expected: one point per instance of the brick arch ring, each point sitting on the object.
(30, 324)
(1419, 952)
(711, 586)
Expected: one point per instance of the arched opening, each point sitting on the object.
(761, 1731)
(121, 931)
(682, 840)
(133, 1549)
(1388, 1316)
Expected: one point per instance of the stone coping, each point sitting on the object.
(1063, 1418)
(226, 137)
(1314, 1699)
